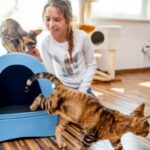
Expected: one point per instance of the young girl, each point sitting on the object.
(66, 52)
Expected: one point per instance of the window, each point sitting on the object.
(75, 8)
(27, 12)
(118, 9)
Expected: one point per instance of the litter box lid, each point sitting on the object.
(30, 62)
(15, 68)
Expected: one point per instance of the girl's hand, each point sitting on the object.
(35, 52)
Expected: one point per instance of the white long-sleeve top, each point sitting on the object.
(78, 74)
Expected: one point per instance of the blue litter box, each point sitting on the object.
(16, 120)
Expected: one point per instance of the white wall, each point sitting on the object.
(128, 42)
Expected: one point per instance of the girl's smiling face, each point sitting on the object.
(56, 23)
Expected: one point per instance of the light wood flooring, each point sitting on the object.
(124, 95)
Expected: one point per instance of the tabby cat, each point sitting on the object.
(85, 110)
(15, 39)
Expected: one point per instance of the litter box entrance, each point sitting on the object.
(13, 98)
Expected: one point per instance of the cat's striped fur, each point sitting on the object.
(85, 110)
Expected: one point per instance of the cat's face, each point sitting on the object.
(28, 43)
(138, 126)
(141, 126)
(136, 122)
(22, 44)
(15, 39)
(29, 39)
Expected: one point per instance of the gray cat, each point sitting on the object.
(15, 39)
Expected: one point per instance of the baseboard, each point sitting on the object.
(134, 70)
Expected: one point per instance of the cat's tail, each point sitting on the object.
(45, 75)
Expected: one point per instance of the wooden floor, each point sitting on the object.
(124, 96)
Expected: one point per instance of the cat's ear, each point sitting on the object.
(139, 111)
(36, 32)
